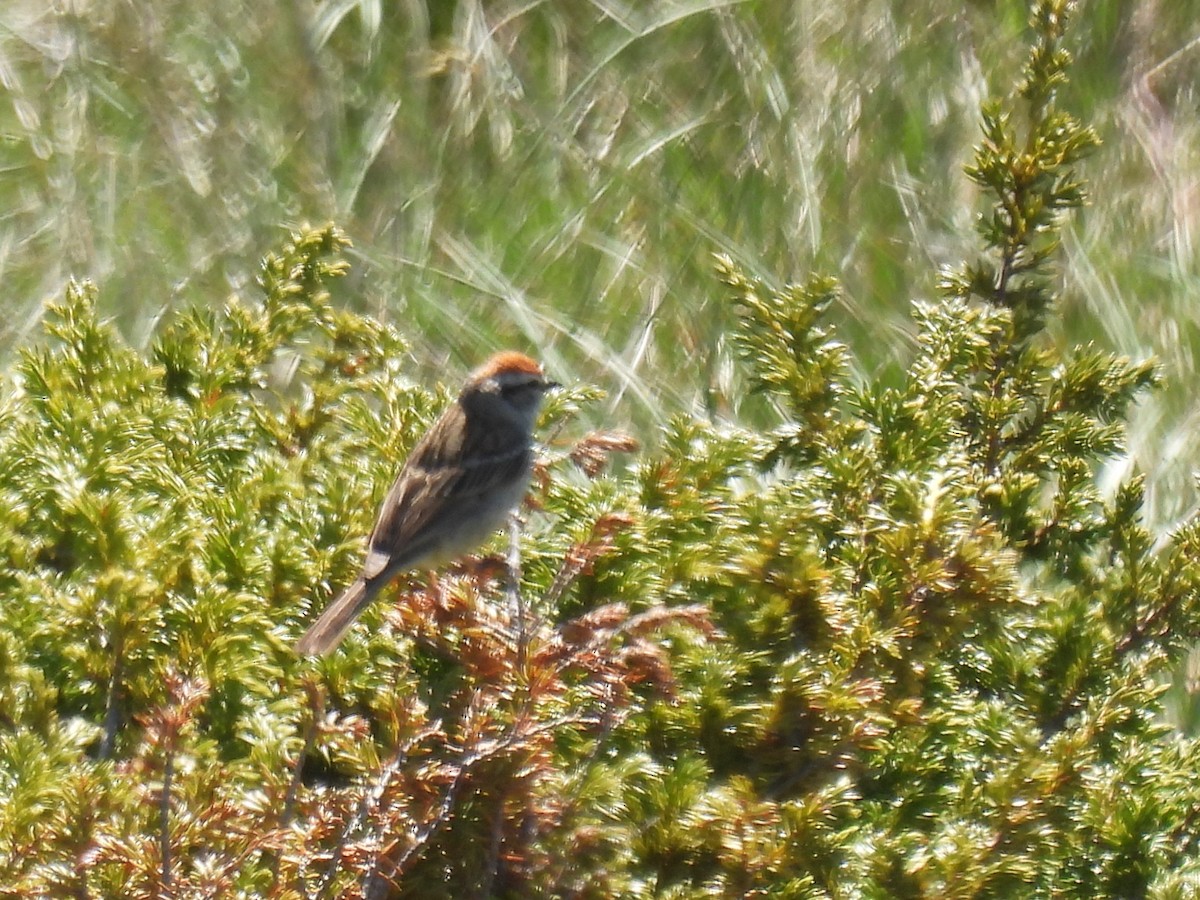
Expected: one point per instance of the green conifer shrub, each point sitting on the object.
(906, 643)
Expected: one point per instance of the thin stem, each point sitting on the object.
(465, 768)
(370, 802)
(496, 843)
(374, 885)
(516, 599)
(164, 807)
(316, 702)
(112, 702)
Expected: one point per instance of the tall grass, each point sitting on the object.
(557, 175)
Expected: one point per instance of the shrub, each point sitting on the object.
(904, 644)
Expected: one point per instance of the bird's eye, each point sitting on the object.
(516, 390)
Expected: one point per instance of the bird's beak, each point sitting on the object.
(550, 385)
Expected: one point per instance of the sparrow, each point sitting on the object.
(459, 484)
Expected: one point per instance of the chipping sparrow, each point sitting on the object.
(459, 484)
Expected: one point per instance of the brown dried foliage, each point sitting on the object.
(481, 770)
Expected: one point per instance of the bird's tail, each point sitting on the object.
(328, 630)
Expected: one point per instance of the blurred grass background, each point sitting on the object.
(556, 175)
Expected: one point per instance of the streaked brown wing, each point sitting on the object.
(456, 463)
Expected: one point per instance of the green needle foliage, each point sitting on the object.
(911, 642)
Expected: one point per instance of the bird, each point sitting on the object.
(459, 485)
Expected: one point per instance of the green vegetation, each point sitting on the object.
(894, 636)
(558, 175)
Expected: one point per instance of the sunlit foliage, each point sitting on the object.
(909, 641)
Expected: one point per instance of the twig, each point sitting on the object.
(373, 885)
(421, 838)
(570, 569)
(465, 766)
(493, 859)
(335, 859)
(164, 726)
(316, 702)
(164, 808)
(515, 598)
(112, 702)
(369, 802)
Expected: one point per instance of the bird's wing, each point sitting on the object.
(455, 463)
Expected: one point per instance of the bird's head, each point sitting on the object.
(510, 385)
